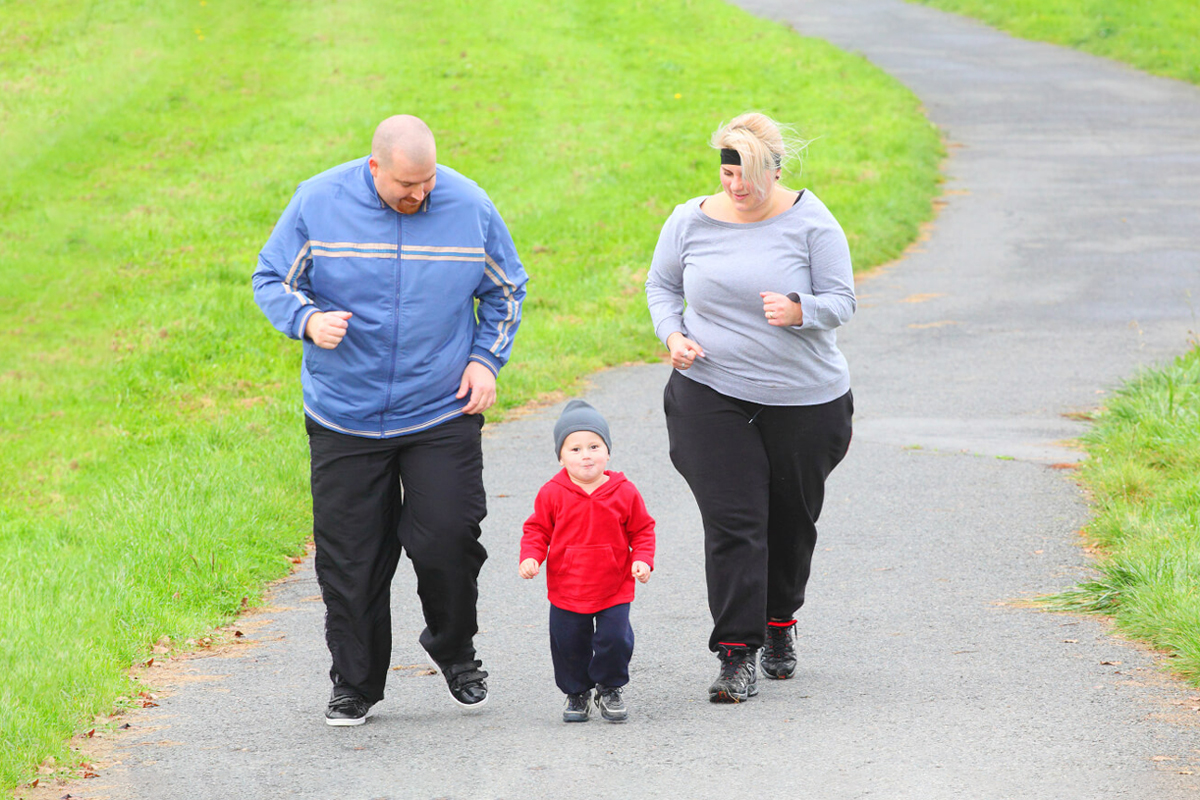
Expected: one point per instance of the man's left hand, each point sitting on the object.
(478, 382)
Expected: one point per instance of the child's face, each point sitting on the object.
(584, 455)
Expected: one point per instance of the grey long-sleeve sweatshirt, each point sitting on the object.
(705, 281)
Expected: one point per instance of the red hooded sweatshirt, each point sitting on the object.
(589, 541)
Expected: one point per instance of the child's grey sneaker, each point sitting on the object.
(578, 707)
(610, 703)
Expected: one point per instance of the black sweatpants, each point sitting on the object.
(758, 474)
(590, 649)
(422, 493)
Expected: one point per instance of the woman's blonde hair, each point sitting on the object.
(763, 144)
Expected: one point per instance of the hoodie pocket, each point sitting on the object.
(590, 572)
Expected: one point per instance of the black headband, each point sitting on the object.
(731, 156)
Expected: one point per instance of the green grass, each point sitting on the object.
(1158, 36)
(154, 458)
(1143, 470)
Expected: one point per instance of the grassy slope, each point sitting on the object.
(155, 466)
(1158, 36)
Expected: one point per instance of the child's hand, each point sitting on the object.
(641, 571)
(529, 568)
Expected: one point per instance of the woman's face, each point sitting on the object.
(745, 199)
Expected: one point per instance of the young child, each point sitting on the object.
(591, 528)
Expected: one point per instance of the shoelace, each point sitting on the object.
(732, 665)
(777, 640)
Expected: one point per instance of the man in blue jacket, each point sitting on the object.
(403, 283)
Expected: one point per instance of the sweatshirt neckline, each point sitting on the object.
(614, 478)
(744, 226)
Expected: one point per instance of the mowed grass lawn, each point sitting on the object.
(154, 464)
(1158, 36)
(1143, 466)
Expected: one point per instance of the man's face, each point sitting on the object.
(402, 184)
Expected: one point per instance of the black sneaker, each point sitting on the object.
(346, 710)
(612, 707)
(779, 652)
(578, 707)
(738, 679)
(467, 683)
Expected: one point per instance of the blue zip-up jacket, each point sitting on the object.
(411, 282)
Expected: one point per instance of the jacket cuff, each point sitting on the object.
(485, 357)
(302, 321)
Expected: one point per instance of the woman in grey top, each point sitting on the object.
(746, 289)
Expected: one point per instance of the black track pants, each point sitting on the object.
(371, 497)
(758, 474)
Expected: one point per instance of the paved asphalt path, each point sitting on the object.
(1066, 257)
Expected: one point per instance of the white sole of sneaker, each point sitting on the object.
(345, 723)
(468, 706)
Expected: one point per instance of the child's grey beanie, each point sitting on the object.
(579, 416)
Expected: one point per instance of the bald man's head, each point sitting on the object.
(403, 136)
(403, 162)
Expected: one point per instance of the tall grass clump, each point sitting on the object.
(154, 457)
(1143, 470)
(1158, 36)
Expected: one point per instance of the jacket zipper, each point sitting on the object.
(395, 330)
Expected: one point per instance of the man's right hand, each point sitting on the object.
(327, 328)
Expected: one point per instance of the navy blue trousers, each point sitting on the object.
(590, 649)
